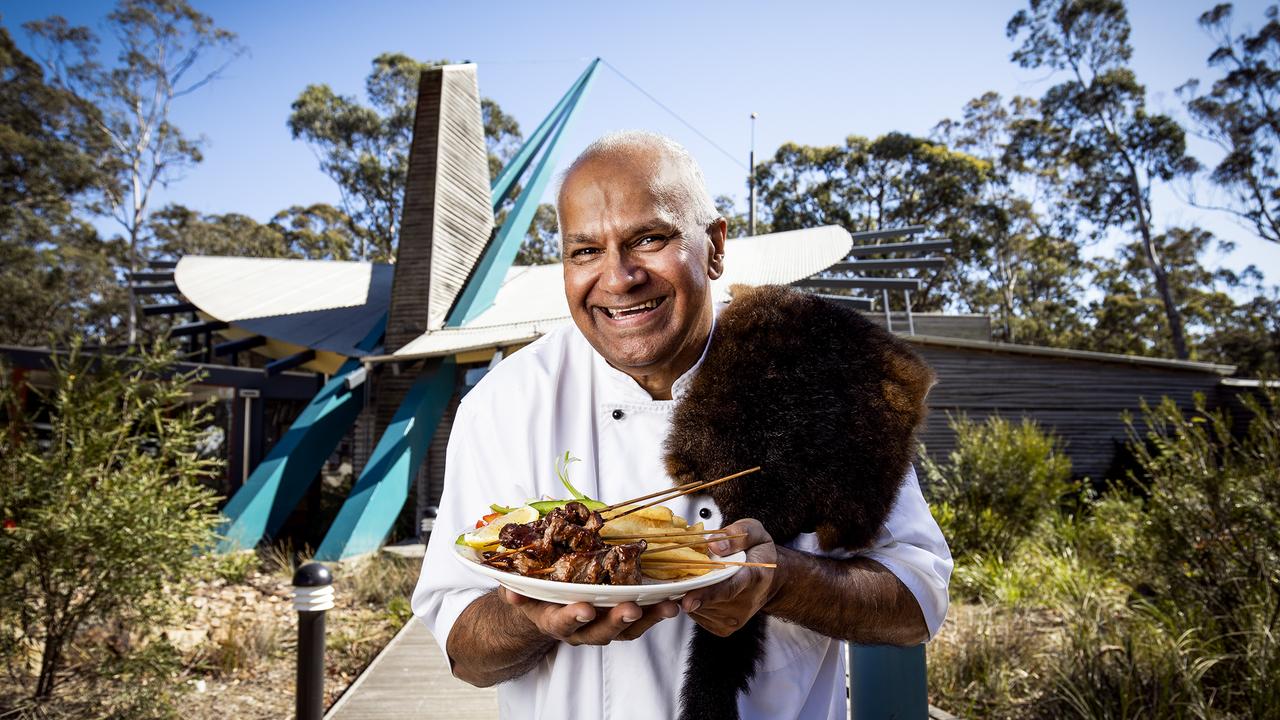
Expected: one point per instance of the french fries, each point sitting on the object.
(659, 520)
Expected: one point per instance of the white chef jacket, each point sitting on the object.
(558, 394)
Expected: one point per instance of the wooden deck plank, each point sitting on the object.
(410, 679)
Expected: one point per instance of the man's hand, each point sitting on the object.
(724, 607)
(582, 624)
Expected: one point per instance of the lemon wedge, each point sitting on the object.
(487, 536)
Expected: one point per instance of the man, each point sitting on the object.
(642, 242)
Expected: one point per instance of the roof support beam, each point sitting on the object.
(906, 247)
(155, 289)
(197, 328)
(882, 234)
(165, 277)
(274, 488)
(171, 309)
(506, 180)
(861, 283)
(235, 346)
(276, 367)
(890, 264)
(375, 501)
(857, 303)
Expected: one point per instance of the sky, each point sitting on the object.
(815, 72)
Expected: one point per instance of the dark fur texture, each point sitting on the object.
(827, 403)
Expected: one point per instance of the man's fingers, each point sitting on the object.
(755, 535)
(608, 626)
(653, 615)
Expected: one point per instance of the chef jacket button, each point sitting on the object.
(618, 414)
(705, 513)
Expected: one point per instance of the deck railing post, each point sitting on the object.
(312, 596)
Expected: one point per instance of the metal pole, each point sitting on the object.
(911, 323)
(888, 319)
(312, 596)
(751, 179)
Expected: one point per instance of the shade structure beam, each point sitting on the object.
(370, 511)
(862, 283)
(915, 248)
(275, 486)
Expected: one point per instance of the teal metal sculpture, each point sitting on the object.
(480, 291)
(367, 516)
(371, 509)
(276, 485)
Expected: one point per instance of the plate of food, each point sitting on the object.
(582, 550)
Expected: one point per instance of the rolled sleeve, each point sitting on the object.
(911, 546)
(444, 587)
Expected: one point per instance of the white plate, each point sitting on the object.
(649, 592)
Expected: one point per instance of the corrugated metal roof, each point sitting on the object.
(333, 305)
(989, 346)
(324, 305)
(531, 301)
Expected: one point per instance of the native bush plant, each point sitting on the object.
(101, 502)
(1212, 527)
(999, 483)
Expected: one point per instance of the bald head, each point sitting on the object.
(674, 178)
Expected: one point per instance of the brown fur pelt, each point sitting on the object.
(827, 403)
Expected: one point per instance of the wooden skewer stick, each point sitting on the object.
(718, 563)
(657, 550)
(659, 536)
(685, 491)
(642, 498)
(507, 553)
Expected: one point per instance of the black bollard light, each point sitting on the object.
(312, 595)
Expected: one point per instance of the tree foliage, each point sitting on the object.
(365, 148)
(1094, 128)
(1028, 272)
(1240, 113)
(1125, 319)
(888, 182)
(164, 46)
(56, 276)
(315, 232)
(542, 243)
(1001, 480)
(103, 508)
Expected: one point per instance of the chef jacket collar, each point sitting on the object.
(632, 392)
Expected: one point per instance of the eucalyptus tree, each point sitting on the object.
(57, 277)
(1028, 274)
(891, 181)
(1094, 129)
(364, 149)
(167, 50)
(1240, 113)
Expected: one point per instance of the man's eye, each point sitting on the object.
(649, 240)
(583, 252)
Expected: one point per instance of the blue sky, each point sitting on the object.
(815, 72)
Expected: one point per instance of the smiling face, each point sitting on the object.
(638, 265)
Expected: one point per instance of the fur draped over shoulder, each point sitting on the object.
(827, 403)
(823, 399)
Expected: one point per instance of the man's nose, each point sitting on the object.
(621, 274)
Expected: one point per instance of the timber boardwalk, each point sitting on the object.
(410, 679)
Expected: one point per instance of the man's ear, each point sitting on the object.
(716, 233)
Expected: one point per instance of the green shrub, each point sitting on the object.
(101, 511)
(1001, 481)
(1212, 527)
(1122, 662)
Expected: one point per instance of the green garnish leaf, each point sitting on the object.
(562, 469)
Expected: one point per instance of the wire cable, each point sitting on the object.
(675, 115)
